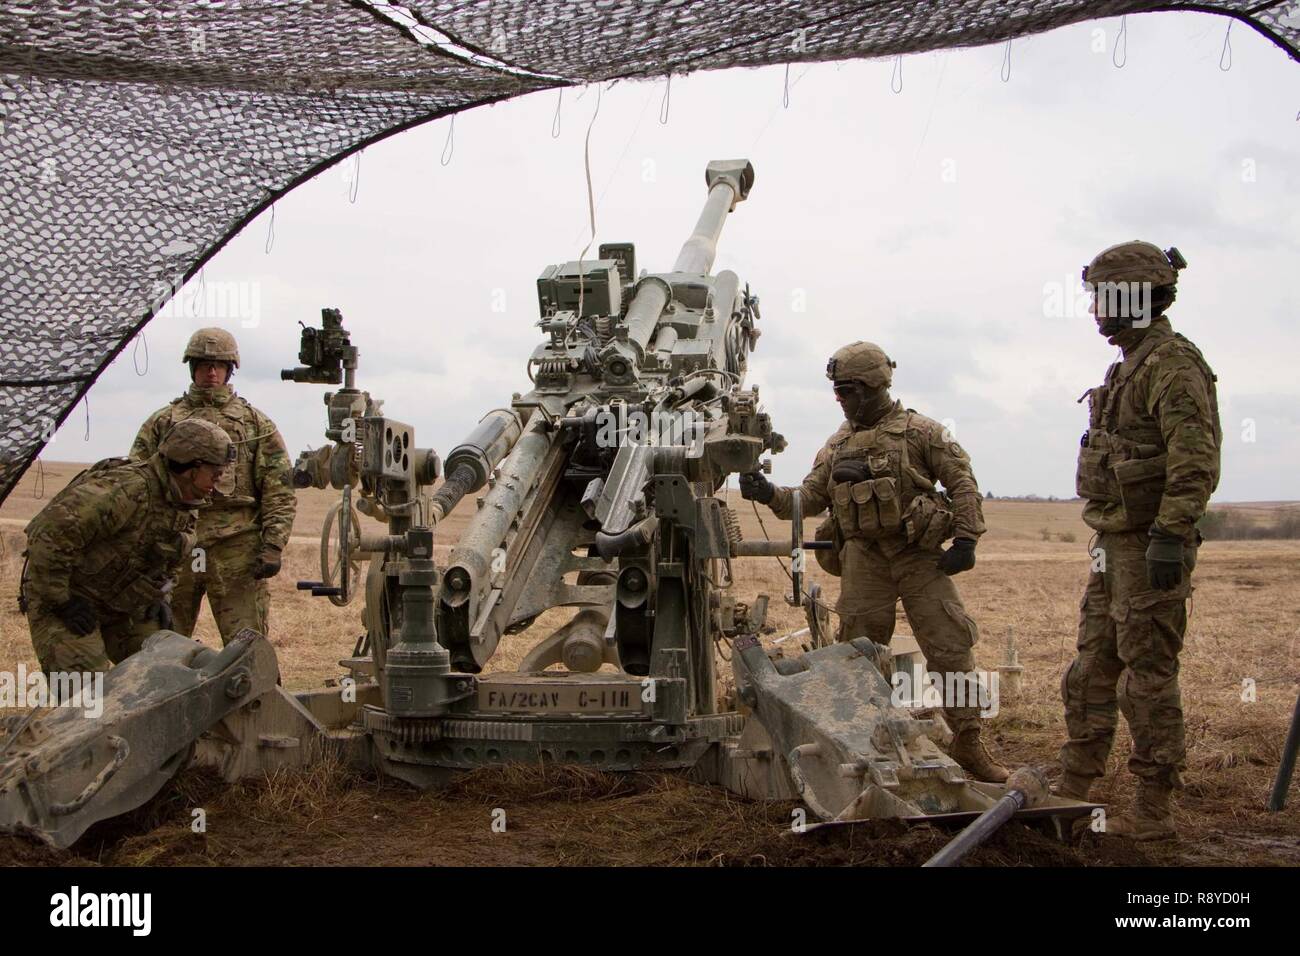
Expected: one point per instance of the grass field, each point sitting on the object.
(1244, 630)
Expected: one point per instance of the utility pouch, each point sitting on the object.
(888, 508)
(843, 509)
(1141, 486)
(864, 510)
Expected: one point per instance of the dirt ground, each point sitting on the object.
(1025, 588)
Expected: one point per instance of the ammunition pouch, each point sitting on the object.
(1113, 470)
(867, 509)
(928, 521)
(830, 561)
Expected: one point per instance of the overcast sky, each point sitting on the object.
(947, 222)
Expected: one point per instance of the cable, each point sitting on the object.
(135, 355)
(449, 147)
(591, 197)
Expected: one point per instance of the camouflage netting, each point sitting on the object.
(137, 137)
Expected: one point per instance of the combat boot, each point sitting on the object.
(968, 750)
(1074, 786)
(1152, 817)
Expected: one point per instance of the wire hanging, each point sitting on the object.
(270, 231)
(135, 354)
(1122, 38)
(555, 123)
(450, 146)
(663, 107)
(1006, 63)
(1227, 49)
(896, 78)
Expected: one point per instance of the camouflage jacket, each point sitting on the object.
(114, 535)
(257, 490)
(1150, 457)
(899, 505)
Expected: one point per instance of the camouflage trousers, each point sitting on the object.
(235, 598)
(871, 584)
(1129, 640)
(58, 649)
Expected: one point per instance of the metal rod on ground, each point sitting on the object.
(1025, 788)
(1277, 800)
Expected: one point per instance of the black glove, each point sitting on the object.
(78, 615)
(959, 557)
(1164, 561)
(268, 563)
(754, 486)
(162, 613)
(851, 471)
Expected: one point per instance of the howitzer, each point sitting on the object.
(596, 495)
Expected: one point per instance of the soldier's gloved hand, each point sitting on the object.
(1164, 561)
(77, 615)
(162, 613)
(851, 471)
(959, 557)
(754, 486)
(268, 563)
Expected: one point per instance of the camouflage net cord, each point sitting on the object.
(136, 138)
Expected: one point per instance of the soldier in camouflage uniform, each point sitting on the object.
(100, 554)
(1147, 466)
(877, 474)
(242, 535)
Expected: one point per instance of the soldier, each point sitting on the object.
(877, 474)
(100, 554)
(1147, 466)
(242, 535)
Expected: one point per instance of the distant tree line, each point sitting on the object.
(1241, 524)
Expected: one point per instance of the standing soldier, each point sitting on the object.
(243, 534)
(100, 554)
(877, 474)
(1147, 466)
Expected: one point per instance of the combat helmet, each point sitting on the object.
(194, 441)
(212, 344)
(1135, 261)
(861, 362)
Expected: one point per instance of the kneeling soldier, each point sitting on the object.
(101, 554)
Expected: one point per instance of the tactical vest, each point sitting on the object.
(237, 486)
(897, 501)
(1122, 455)
(125, 572)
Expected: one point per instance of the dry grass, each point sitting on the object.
(1243, 627)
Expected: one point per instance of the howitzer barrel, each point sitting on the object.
(729, 182)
